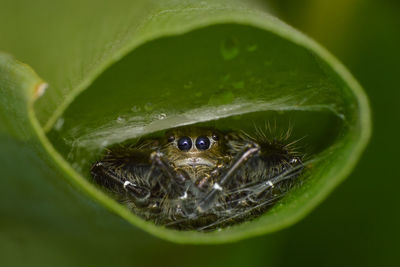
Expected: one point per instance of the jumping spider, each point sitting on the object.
(199, 178)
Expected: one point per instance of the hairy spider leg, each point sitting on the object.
(166, 168)
(102, 175)
(177, 179)
(204, 204)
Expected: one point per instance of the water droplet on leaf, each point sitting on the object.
(135, 109)
(226, 77)
(252, 48)
(188, 85)
(268, 62)
(229, 49)
(221, 98)
(59, 124)
(120, 120)
(238, 85)
(161, 116)
(148, 107)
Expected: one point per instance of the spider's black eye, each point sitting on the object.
(202, 143)
(215, 137)
(171, 138)
(185, 143)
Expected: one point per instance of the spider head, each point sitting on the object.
(193, 147)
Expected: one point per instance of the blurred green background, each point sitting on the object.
(358, 225)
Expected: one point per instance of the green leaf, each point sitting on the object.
(139, 68)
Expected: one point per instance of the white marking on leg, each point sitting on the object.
(216, 186)
(270, 184)
(184, 196)
(126, 183)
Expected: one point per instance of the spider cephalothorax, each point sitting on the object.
(199, 178)
(198, 152)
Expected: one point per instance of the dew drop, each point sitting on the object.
(104, 143)
(148, 107)
(166, 93)
(252, 48)
(293, 73)
(268, 62)
(229, 49)
(188, 85)
(226, 77)
(222, 98)
(161, 116)
(238, 85)
(76, 165)
(121, 120)
(135, 109)
(59, 124)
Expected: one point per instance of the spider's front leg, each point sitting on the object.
(123, 172)
(173, 181)
(137, 174)
(258, 167)
(250, 149)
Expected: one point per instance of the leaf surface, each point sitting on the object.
(132, 69)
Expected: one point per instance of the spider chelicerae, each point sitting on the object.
(196, 178)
